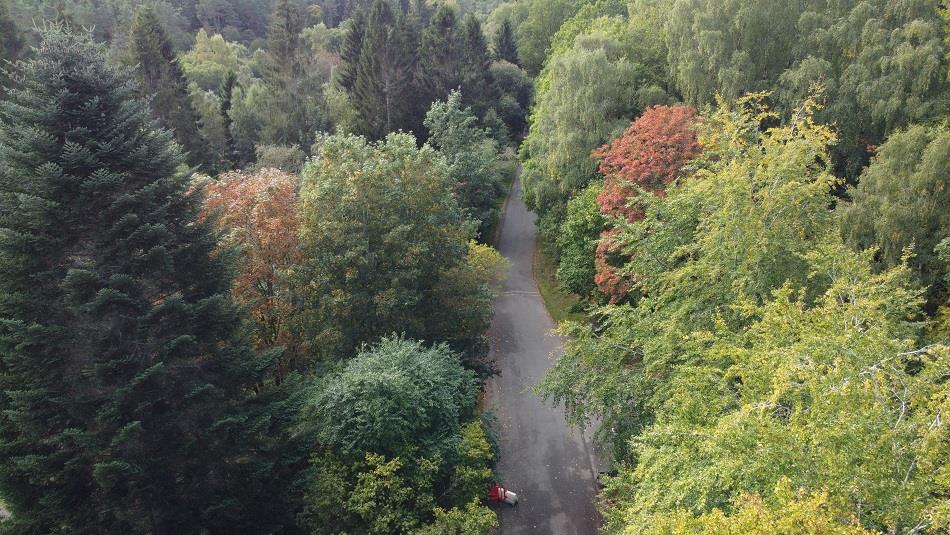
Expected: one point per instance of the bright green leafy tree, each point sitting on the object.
(401, 444)
(542, 19)
(381, 234)
(762, 348)
(883, 66)
(577, 242)
(592, 91)
(902, 201)
(472, 158)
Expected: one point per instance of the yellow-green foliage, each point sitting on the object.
(763, 350)
(474, 460)
(474, 519)
(784, 513)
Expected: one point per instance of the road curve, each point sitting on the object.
(549, 464)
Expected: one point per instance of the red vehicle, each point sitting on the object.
(497, 493)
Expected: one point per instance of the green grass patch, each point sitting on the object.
(510, 171)
(558, 302)
(493, 232)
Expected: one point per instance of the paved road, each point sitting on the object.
(547, 463)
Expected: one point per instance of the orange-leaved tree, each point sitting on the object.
(650, 154)
(257, 213)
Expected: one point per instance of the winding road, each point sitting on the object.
(550, 465)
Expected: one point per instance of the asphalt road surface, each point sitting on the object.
(548, 464)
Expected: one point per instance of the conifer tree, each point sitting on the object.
(226, 93)
(440, 55)
(125, 381)
(11, 41)
(350, 50)
(160, 78)
(384, 92)
(420, 11)
(283, 72)
(506, 47)
(477, 86)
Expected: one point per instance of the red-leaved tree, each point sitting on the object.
(648, 156)
(258, 214)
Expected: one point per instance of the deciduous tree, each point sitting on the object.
(402, 447)
(577, 242)
(758, 334)
(379, 228)
(258, 215)
(472, 157)
(650, 154)
(592, 94)
(901, 202)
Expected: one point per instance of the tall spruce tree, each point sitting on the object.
(506, 47)
(440, 55)
(160, 78)
(420, 11)
(283, 73)
(384, 92)
(226, 94)
(125, 381)
(11, 40)
(477, 86)
(350, 50)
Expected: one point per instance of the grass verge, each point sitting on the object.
(557, 301)
(493, 233)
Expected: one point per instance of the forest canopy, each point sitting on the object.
(248, 264)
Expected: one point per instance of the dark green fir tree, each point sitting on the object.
(420, 11)
(130, 400)
(506, 47)
(283, 71)
(440, 55)
(226, 94)
(384, 92)
(11, 39)
(350, 50)
(477, 85)
(160, 78)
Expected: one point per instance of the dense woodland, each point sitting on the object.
(246, 266)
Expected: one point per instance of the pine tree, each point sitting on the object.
(283, 40)
(420, 11)
(350, 51)
(384, 92)
(440, 55)
(477, 86)
(11, 41)
(125, 378)
(226, 93)
(160, 77)
(506, 48)
(283, 73)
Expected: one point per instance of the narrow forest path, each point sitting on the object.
(547, 463)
